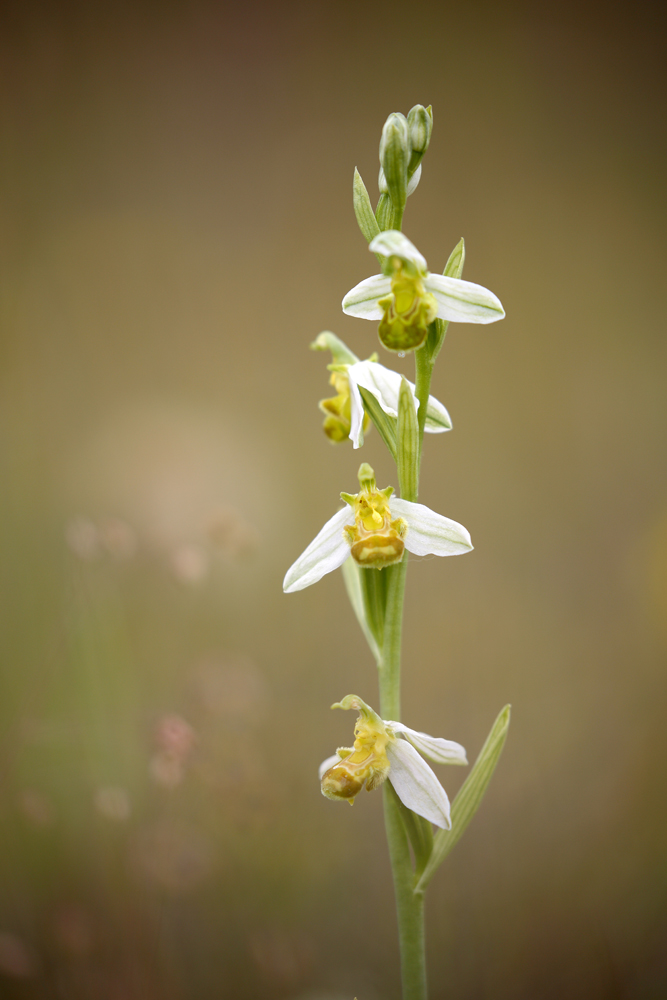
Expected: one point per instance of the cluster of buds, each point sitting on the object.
(402, 146)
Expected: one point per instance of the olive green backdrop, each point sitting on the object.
(177, 228)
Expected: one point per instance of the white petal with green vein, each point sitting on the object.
(362, 300)
(462, 301)
(434, 747)
(430, 533)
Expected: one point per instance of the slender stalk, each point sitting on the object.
(423, 373)
(409, 905)
(390, 672)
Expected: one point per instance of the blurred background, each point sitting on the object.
(177, 227)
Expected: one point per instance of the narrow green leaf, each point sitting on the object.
(363, 209)
(352, 575)
(453, 269)
(385, 424)
(408, 443)
(467, 802)
(454, 265)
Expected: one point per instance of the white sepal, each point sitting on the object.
(434, 747)
(384, 384)
(438, 419)
(462, 301)
(328, 763)
(414, 180)
(392, 243)
(327, 551)
(362, 300)
(430, 533)
(416, 785)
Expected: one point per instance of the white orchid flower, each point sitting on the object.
(385, 384)
(345, 414)
(384, 749)
(374, 528)
(407, 298)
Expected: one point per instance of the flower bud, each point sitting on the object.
(420, 126)
(395, 152)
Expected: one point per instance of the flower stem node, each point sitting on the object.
(389, 750)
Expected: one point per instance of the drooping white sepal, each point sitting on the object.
(393, 243)
(434, 747)
(463, 301)
(327, 551)
(430, 533)
(416, 785)
(362, 300)
(385, 384)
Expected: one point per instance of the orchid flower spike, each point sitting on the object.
(345, 414)
(385, 749)
(407, 298)
(375, 528)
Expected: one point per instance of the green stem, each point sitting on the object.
(390, 671)
(409, 905)
(423, 373)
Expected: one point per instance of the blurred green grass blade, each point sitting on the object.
(470, 795)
